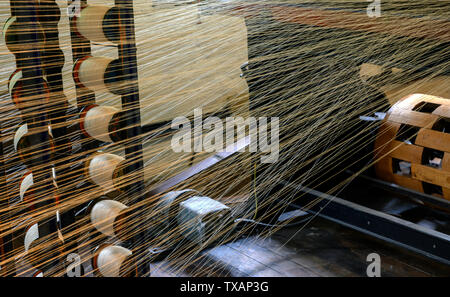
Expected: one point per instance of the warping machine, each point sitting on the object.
(362, 103)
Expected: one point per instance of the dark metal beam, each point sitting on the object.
(422, 240)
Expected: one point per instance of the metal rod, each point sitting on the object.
(422, 240)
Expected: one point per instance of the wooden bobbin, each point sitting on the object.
(101, 123)
(23, 143)
(103, 169)
(99, 24)
(21, 38)
(38, 249)
(27, 192)
(113, 218)
(31, 234)
(100, 74)
(112, 261)
(413, 145)
(27, 100)
(105, 214)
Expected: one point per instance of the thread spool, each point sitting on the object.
(27, 192)
(100, 74)
(23, 143)
(112, 261)
(101, 123)
(106, 216)
(99, 24)
(104, 169)
(41, 251)
(27, 99)
(111, 217)
(20, 37)
(169, 203)
(32, 233)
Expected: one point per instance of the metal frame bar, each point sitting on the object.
(440, 202)
(419, 239)
(131, 111)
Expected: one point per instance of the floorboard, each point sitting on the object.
(321, 248)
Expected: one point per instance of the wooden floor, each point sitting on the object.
(322, 248)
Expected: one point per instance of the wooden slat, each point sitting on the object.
(406, 152)
(431, 175)
(408, 102)
(445, 164)
(386, 133)
(383, 169)
(446, 193)
(433, 139)
(413, 118)
(408, 182)
(443, 111)
(435, 99)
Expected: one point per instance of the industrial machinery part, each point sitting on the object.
(413, 144)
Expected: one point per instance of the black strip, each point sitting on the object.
(430, 243)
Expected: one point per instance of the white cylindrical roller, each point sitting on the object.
(25, 186)
(91, 72)
(26, 100)
(101, 74)
(27, 191)
(98, 24)
(104, 214)
(40, 250)
(13, 82)
(15, 33)
(23, 145)
(96, 122)
(110, 259)
(102, 169)
(31, 235)
(168, 203)
(6, 31)
(19, 136)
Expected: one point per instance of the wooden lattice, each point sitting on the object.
(413, 145)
